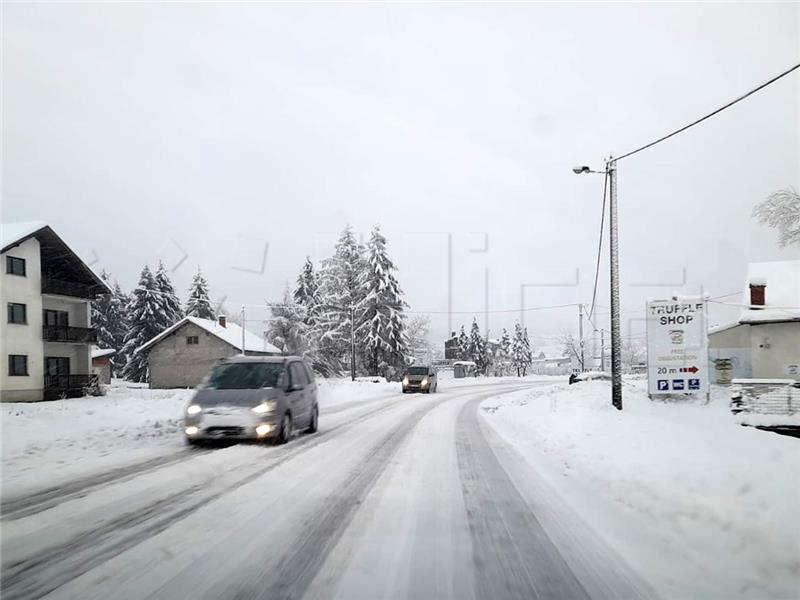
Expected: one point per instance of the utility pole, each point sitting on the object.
(616, 347)
(352, 343)
(580, 336)
(244, 353)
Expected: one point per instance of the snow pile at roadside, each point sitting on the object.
(702, 506)
(46, 442)
(63, 438)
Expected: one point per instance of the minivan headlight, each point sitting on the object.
(265, 407)
(193, 409)
(424, 382)
(405, 380)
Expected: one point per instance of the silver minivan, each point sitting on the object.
(253, 397)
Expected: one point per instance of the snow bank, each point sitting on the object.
(702, 506)
(47, 442)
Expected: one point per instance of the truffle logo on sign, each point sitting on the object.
(676, 335)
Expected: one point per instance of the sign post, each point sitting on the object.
(677, 347)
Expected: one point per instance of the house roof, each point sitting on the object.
(100, 352)
(781, 296)
(59, 261)
(230, 334)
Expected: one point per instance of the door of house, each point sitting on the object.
(56, 371)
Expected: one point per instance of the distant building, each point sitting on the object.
(764, 343)
(451, 347)
(102, 363)
(47, 334)
(182, 355)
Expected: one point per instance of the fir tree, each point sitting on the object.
(339, 290)
(477, 348)
(306, 292)
(381, 329)
(110, 320)
(502, 364)
(198, 303)
(520, 350)
(463, 345)
(170, 304)
(146, 320)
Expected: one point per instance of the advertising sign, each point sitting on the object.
(677, 347)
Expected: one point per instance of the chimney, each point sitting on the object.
(452, 334)
(758, 291)
(222, 320)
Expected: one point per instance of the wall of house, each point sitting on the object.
(775, 347)
(174, 363)
(22, 339)
(101, 367)
(730, 344)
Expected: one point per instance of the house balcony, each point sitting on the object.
(59, 287)
(69, 386)
(73, 335)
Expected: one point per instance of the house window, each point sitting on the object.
(15, 266)
(56, 318)
(17, 364)
(192, 340)
(17, 313)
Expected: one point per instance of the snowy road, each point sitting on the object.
(400, 497)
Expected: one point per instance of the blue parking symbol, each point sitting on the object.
(663, 385)
(677, 384)
(694, 384)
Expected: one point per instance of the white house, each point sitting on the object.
(47, 335)
(183, 354)
(764, 342)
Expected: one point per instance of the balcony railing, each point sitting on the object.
(69, 386)
(76, 335)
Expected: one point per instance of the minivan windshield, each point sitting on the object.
(244, 376)
(418, 370)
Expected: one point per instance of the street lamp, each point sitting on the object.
(616, 347)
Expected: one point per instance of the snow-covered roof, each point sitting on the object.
(53, 248)
(723, 327)
(13, 233)
(231, 334)
(464, 363)
(781, 296)
(100, 352)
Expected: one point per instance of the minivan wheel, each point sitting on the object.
(285, 434)
(314, 424)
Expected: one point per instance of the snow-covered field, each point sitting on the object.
(701, 506)
(44, 443)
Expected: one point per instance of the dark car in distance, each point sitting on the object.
(258, 398)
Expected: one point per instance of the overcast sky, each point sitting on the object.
(147, 131)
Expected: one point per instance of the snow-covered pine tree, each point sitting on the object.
(306, 291)
(110, 320)
(146, 320)
(381, 322)
(198, 304)
(528, 353)
(502, 365)
(519, 353)
(287, 328)
(170, 304)
(339, 289)
(463, 345)
(477, 348)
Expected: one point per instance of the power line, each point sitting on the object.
(711, 114)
